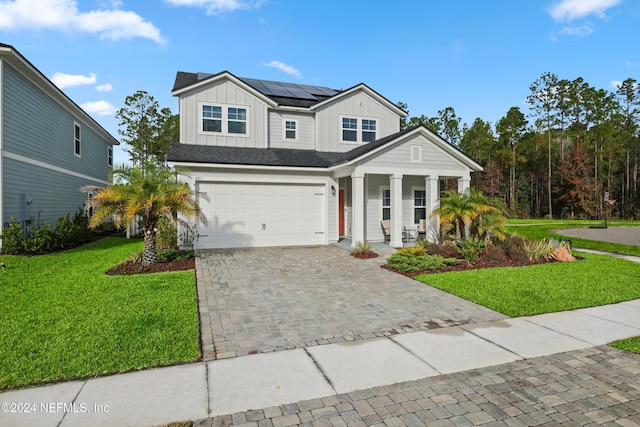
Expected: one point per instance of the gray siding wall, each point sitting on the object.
(357, 105)
(432, 160)
(35, 126)
(306, 130)
(223, 93)
(53, 194)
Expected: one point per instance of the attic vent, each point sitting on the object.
(416, 154)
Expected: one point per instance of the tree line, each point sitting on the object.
(577, 144)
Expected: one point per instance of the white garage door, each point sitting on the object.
(253, 215)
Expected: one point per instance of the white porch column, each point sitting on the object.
(431, 185)
(396, 211)
(464, 182)
(357, 208)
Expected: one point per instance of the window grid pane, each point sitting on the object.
(237, 113)
(211, 111)
(348, 123)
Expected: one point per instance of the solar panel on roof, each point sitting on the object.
(289, 90)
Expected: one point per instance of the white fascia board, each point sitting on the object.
(189, 165)
(372, 93)
(225, 75)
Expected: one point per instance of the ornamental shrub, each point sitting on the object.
(406, 262)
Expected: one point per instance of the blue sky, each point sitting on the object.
(479, 57)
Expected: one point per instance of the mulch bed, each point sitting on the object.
(463, 265)
(127, 268)
(364, 255)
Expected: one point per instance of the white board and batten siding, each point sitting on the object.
(305, 132)
(357, 105)
(223, 93)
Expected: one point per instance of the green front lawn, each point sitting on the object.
(544, 288)
(62, 318)
(629, 344)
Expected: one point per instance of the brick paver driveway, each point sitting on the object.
(268, 299)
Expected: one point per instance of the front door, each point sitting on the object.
(340, 212)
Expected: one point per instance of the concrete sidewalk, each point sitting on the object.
(221, 387)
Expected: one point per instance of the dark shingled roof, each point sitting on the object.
(189, 153)
(185, 79)
(252, 156)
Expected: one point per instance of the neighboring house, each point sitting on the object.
(279, 164)
(49, 146)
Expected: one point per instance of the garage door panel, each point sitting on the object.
(251, 215)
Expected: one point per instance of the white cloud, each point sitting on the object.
(104, 88)
(579, 31)
(214, 7)
(63, 15)
(101, 108)
(568, 10)
(63, 80)
(616, 83)
(285, 68)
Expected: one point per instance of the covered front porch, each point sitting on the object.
(399, 199)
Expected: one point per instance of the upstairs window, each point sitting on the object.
(349, 129)
(224, 119)
(237, 120)
(368, 130)
(110, 156)
(211, 118)
(358, 130)
(291, 130)
(77, 141)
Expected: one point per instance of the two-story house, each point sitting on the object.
(278, 164)
(49, 146)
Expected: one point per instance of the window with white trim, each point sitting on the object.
(385, 202)
(224, 119)
(368, 130)
(77, 140)
(349, 129)
(419, 205)
(237, 120)
(211, 118)
(110, 156)
(290, 130)
(358, 129)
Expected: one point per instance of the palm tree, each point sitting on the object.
(461, 209)
(150, 194)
